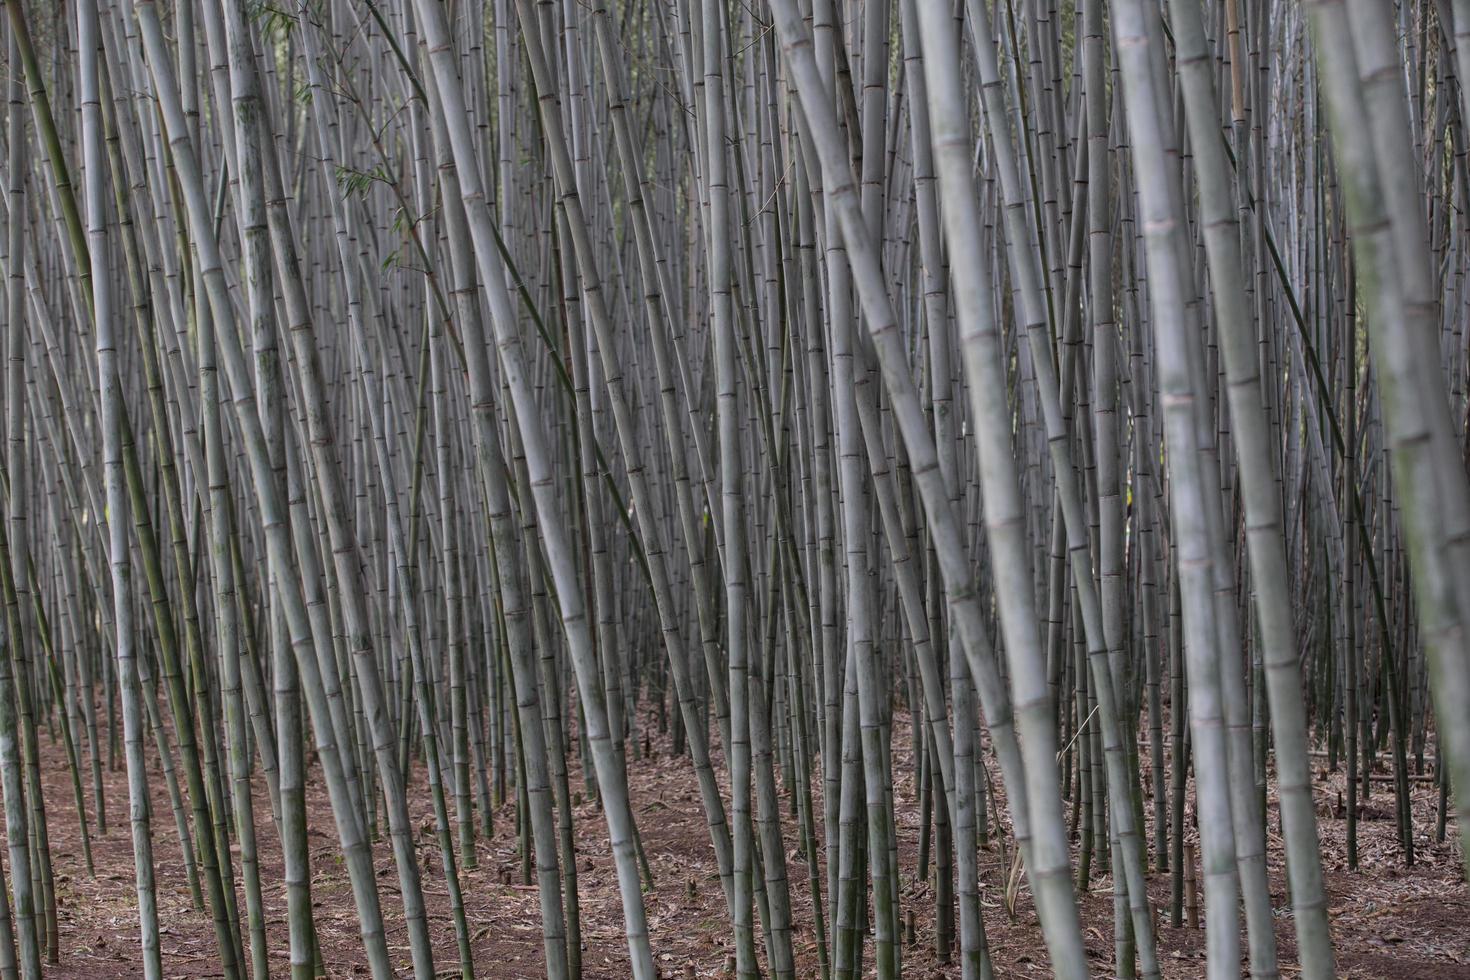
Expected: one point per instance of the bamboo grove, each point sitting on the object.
(439, 401)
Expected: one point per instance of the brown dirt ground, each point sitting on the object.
(1388, 921)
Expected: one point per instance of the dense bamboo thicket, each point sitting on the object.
(442, 403)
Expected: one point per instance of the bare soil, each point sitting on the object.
(1388, 921)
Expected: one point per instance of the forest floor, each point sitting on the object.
(1388, 921)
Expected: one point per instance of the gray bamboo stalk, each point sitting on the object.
(1409, 390)
(1188, 503)
(1047, 857)
(611, 781)
(722, 328)
(110, 396)
(276, 525)
(23, 908)
(1032, 316)
(256, 130)
(514, 610)
(612, 372)
(1264, 535)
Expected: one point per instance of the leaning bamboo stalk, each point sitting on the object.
(589, 280)
(23, 910)
(512, 596)
(1262, 505)
(1188, 503)
(253, 131)
(277, 527)
(1047, 861)
(610, 780)
(1409, 392)
(712, 20)
(1032, 317)
(110, 395)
